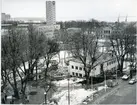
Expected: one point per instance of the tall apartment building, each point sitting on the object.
(50, 12)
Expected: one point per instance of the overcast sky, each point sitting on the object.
(103, 10)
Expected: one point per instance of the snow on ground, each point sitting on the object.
(64, 82)
(76, 95)
(102, 87)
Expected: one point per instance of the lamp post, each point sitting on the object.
(45, 94)
(68, 91)
(105, 81)
(68, 83)
(67, 64)
(93, 83)
(105, 76)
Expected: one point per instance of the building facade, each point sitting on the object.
(48, 30)
(50, 12)
(5, 17)
(76, 68)
(104, 32)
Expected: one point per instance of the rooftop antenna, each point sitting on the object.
(118, 18)
(126, 18)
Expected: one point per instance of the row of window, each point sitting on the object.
(76, 74)
(111, 62)
(106, 32)
(113, 69)
(76, 67)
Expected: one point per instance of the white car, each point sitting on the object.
(125, 77)
(132, 81)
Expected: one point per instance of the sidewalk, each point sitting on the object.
(101, 95)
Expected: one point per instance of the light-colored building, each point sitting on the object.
(104, 32)
(5, 17)
(76, 68)
(50, 12)
(48, 30)
(73, 30)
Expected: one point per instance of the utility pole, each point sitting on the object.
(68, 89)
(105, 81)
(67, 63)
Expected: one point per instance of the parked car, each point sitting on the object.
(132, 81)
(125, 77)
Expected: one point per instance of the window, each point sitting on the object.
(73, 73)
(72, 67)
(80, 68)
(77, 74)
(80, 75)
(76, 67)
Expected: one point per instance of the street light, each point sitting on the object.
(92, 82)
(45, 94)
(105, 80)
(105, 77)
(67, 63)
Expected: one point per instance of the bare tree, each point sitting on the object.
(10, 55)
(48, 67)
(19, 48)
(122, 42)
(85, 47)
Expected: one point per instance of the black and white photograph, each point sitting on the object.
(68, 52)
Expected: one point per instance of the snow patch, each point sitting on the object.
(64, 82)
(77, 96)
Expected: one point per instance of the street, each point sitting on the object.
(126, 94)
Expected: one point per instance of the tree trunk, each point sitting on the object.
(87, 81)
(46, 73)
(46, 70)
(121, 65)
(16, 94)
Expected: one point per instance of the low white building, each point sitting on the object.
(76, 68)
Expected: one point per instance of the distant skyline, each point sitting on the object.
(103, 10)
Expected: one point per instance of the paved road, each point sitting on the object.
(126, 94)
